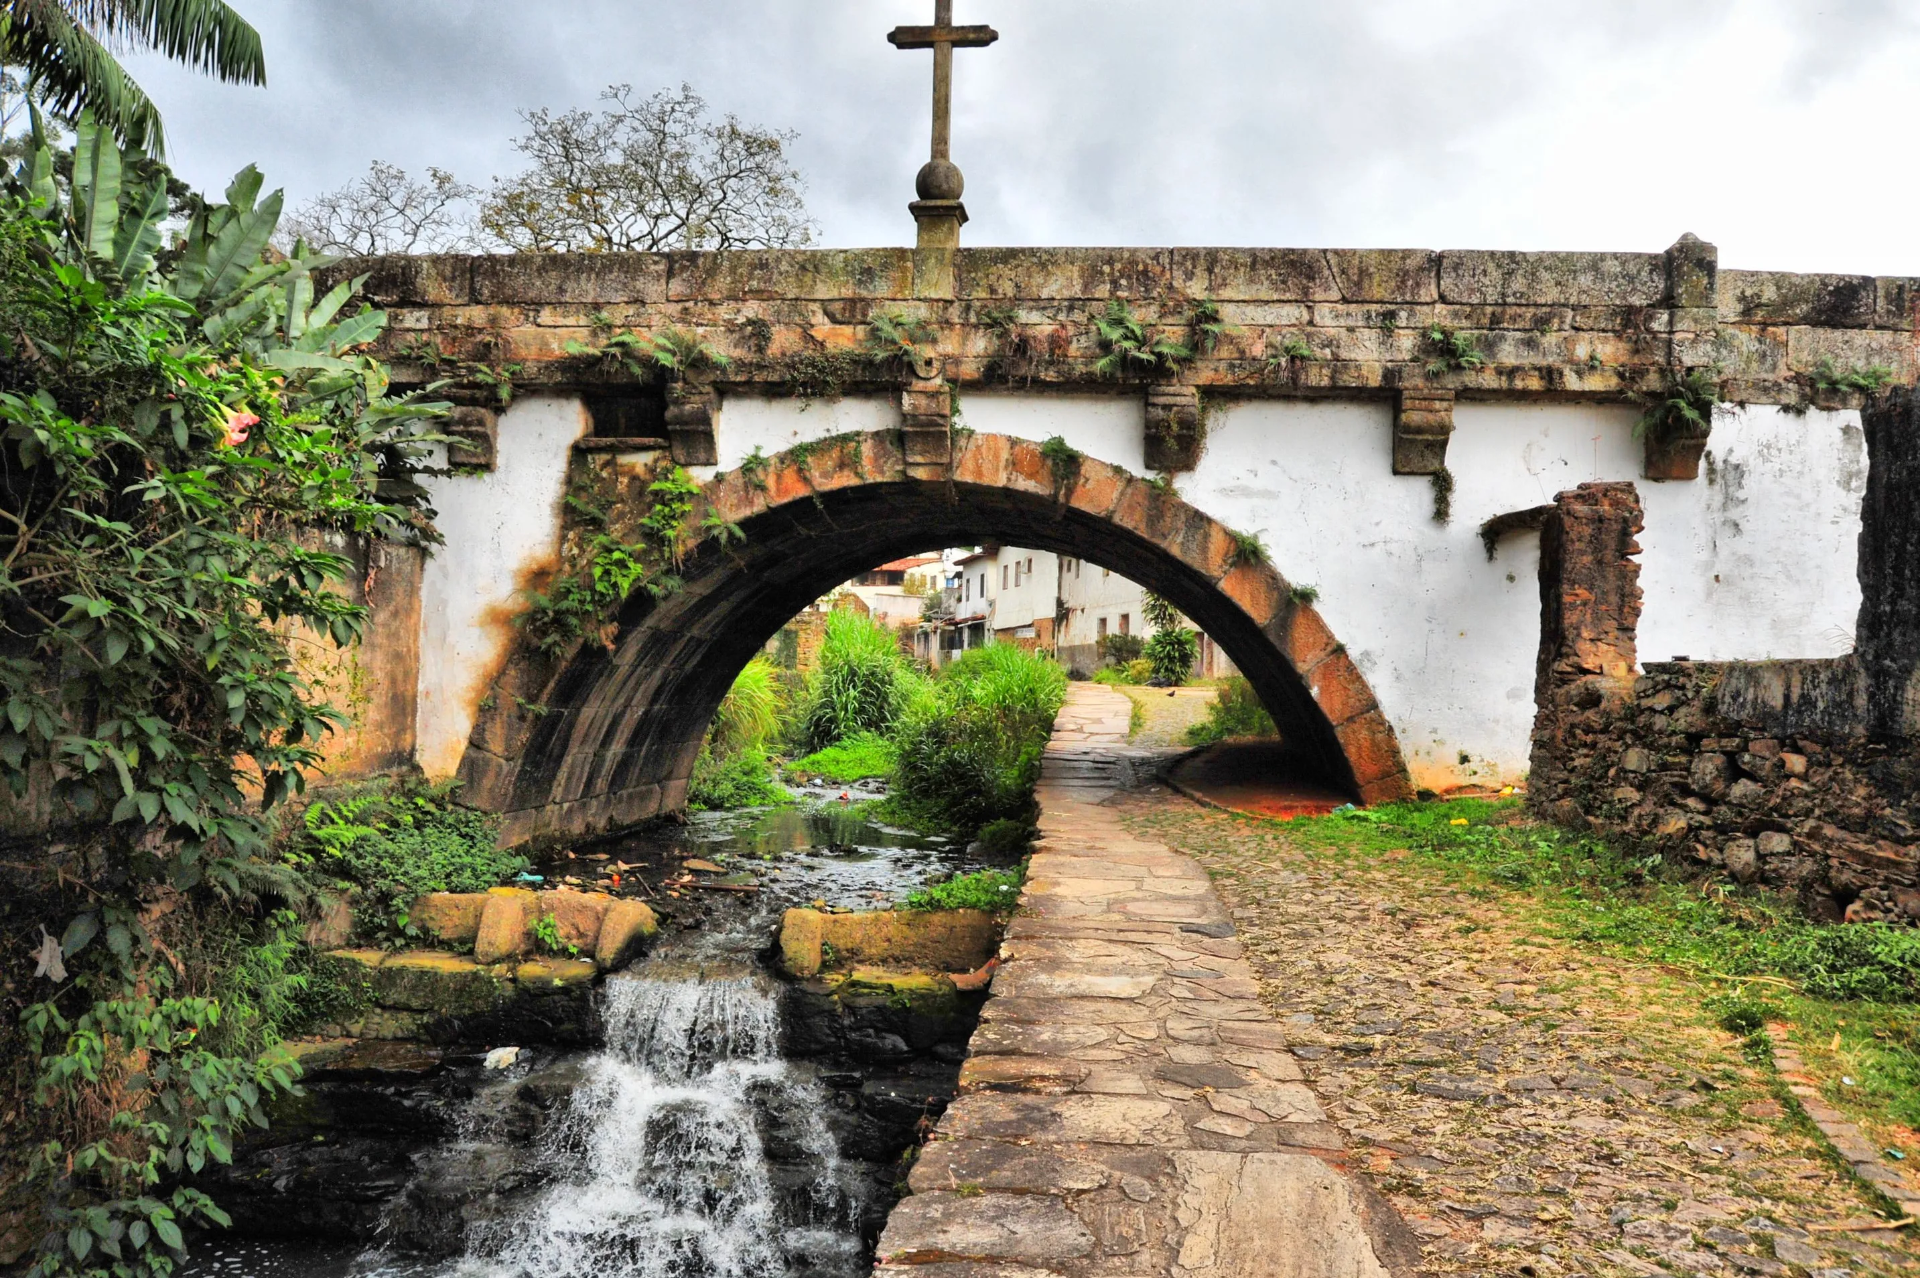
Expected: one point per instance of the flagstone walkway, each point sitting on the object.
(1129, 1108)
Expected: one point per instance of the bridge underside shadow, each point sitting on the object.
(603, 737)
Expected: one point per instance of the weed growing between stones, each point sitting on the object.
(1442, 481)
(1683, 409)
(1129, 345)
(1865, 380)
(1064, 460)
(1453, 351)
(1248, 548)
(1205, 327)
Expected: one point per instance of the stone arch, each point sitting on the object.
(602, 737)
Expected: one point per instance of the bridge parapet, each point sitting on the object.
(1301, 321)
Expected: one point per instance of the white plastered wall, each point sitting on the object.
(500, 527)
(1753, 560)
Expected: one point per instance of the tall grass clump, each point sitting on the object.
(733, 770)
(970, 745)
(1236, 711)
(862, 683)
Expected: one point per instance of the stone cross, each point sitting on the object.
(938, 210)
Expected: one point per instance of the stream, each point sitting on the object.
(731, 1124)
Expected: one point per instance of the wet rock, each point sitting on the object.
(627, 926)
(922, 940)
(503, 925)
(576, 915)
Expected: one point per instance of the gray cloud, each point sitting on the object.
(1524, 123)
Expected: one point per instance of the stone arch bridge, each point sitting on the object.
(1390, 424)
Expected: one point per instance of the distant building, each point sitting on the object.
(894, 592)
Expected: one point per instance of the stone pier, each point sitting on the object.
(1129, 1108)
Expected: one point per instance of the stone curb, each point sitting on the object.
(1843, 1136)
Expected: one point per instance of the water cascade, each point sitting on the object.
(662, 1165)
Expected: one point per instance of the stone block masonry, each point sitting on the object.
(1128, 1106)
(1570, 325)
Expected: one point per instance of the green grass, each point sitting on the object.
(863, 755)
(1758, 955)
(995, 891)
(742, 780)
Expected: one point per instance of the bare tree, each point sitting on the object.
(645, 176)
(388, 212)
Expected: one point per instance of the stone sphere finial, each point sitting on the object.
(939, 180)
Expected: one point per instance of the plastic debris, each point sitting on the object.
(502, 1057)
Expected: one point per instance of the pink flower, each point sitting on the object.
(238, 423)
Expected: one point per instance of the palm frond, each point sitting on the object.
(73, 72)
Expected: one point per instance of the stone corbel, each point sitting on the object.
(1672, 456)
(690, 413)
(1422, 425)
(926, 423)
(473, 437)
(1173, 427)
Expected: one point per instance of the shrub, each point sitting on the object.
(397, 844)
(1120, 649)
(995, 891)
(740, 780)
(1004, 837)
(1170, 656)
(1236, 712)
(862, 683)
(750, 712)
(863, 755)
(1114, 676)
(969, 749)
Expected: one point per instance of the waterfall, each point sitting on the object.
(660, 1165)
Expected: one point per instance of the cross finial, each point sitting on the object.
(939, 183)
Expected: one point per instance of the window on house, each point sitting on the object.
(1029, 567)
(1126, 623)
(983, 585)
(629, 412)
(1100, 628)
(1003, 576)
(1016, 573)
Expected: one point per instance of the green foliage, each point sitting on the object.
(1126, 675)
(1288, 352)
(1171, 654)
(1004, 837)
(398, 843)
(603, 562)
(1872, 962)
(995, 891)
(1120, 649)
(861, 684)
(1064, 460)
(741, 780)
(1684, 410)
(67, 52)
(545, 932)
(1159, 611)
(1828, 375)
(178, 426)
(969, 748)
(1303, 594)
(856, 758)
(749, 714)
(1129, 346)
(894, 336)
(1453, 350)
(1205, 328)
(1248, 548)
(672, 352)
(1236, 712)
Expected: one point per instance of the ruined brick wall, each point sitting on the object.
(1800, 775)
(1696, 762)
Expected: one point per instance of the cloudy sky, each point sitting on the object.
(1781, 130)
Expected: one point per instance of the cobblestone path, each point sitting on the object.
(1130, 1108)
(1531, 1106)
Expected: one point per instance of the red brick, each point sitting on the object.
(980, 459)
(1257, 589)
(1304, 636)
(1371, 748)
(1098, 489)
(787, 482)
(1340, 689)
(837, 466)
(1028, 470)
